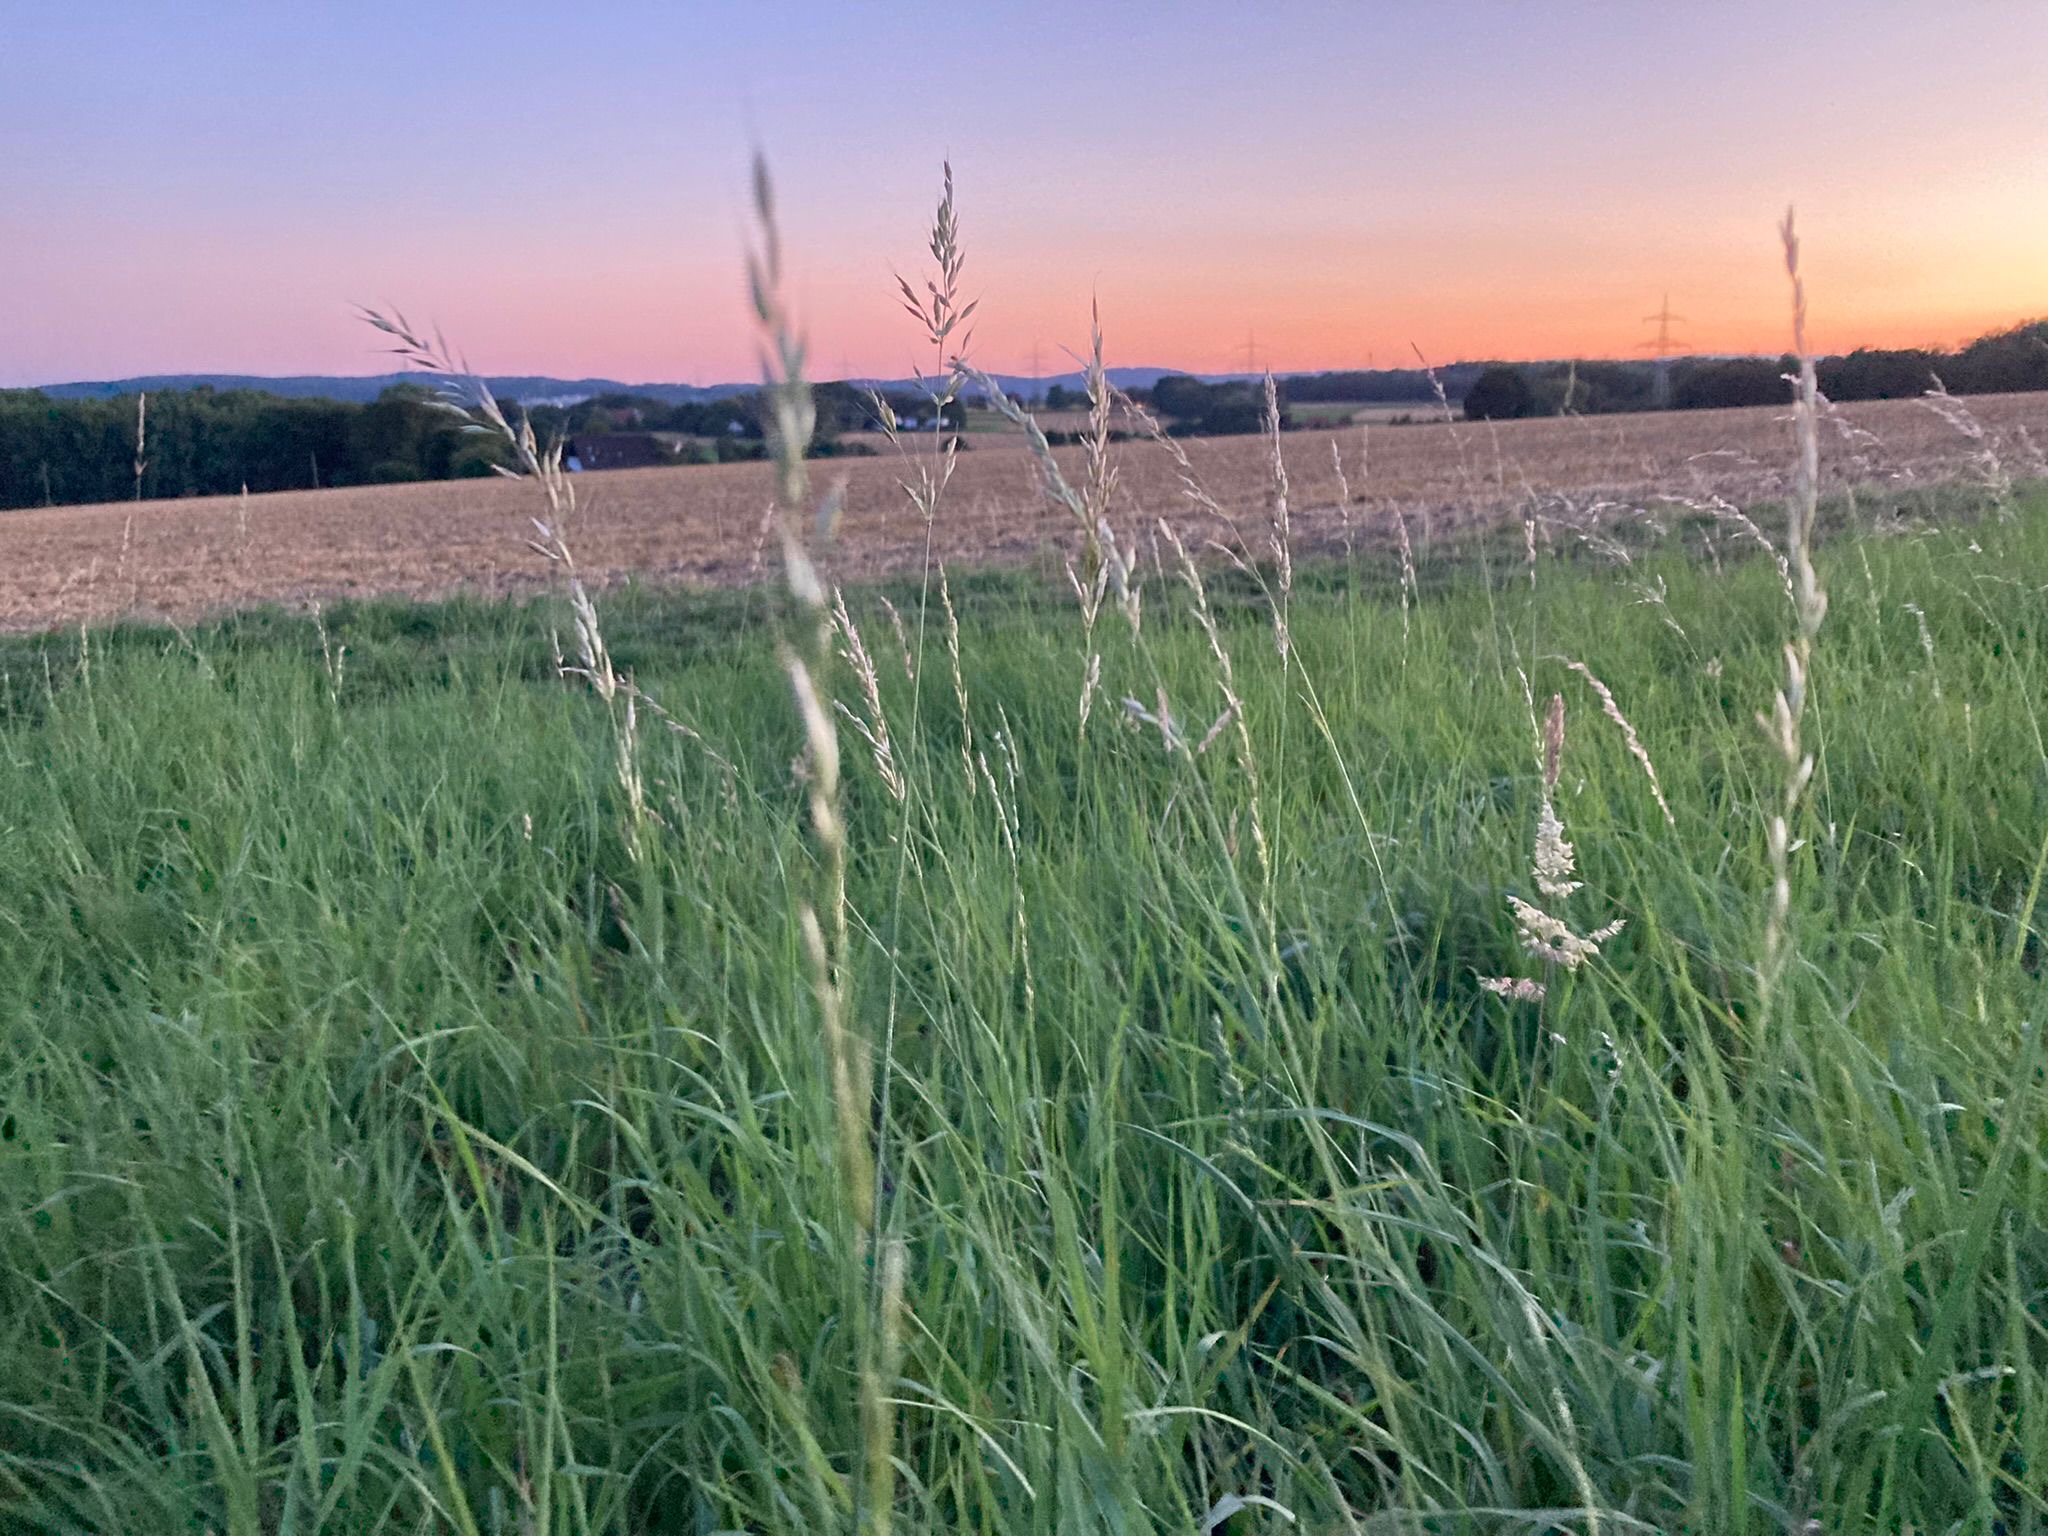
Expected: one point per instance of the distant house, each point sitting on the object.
(616, 450)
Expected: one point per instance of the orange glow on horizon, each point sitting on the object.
(1511, 184)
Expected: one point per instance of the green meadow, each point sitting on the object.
(399, 1132)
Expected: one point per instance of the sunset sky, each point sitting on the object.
(209, 188)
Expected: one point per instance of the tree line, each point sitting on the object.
(203, 442)
(207, 442)
(2000, 362)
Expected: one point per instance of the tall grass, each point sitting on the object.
(387, 1147)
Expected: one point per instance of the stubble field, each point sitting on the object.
(703, 526)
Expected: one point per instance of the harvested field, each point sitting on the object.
(66, 565)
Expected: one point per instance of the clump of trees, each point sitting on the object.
(1380, 386)
(738, 417)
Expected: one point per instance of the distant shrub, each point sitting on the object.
(1179, 396)
(2004, 360)
(1732, 382)
(1500, 394)
(1866, 374)
(1233, 413)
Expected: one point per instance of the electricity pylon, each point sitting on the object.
(1661, 347)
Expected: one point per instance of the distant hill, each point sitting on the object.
(1024, 386)
(538, 389)
(2012, 359)
(531, 388)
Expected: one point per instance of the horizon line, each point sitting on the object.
(1019, 374)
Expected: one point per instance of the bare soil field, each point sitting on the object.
(68, 565)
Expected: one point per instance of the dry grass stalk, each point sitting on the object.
(1191, 485)
(902, 636)
(2037, 459)
(1863, 447)
(333, 657)
(1809, 607)
(466, 395)
(1101, 478)
(1443, 402)
(1105, 568)
(1009, 827)
(1160, 718)
(1411, 593)
(827, 952)
(1654, 593)
(878, 1378)
(1278, 509)
(1926, 643)
(873, 727)
(1343, 497)
(1233, 717)
(141, 440)
(126, 576)
(1725, 512)
(1553, 864)
(959, 682)
(1279, 518)
(1612, 711)
(1550, 741)
(1585, 523)
(942, 314)
(792, 419)
(1103, 560)
(1990, 468)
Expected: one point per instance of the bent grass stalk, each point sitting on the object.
(465, 394)
(1636, 749)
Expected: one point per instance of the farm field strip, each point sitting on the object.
(703, 525)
